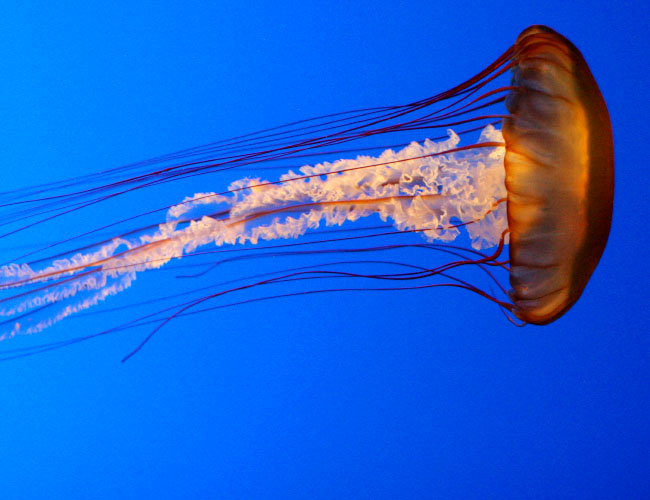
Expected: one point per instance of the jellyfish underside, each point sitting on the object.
(539, 179)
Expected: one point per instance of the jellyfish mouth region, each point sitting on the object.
(439, 190)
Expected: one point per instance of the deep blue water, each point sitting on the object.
(429, 394)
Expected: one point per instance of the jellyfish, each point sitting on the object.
(537, 180)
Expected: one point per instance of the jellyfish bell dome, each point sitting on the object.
(559, 166)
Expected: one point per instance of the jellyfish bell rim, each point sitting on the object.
(559, 166)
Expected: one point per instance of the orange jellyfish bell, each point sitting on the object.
(559, 166)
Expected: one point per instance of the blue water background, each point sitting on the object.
(428, 395)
